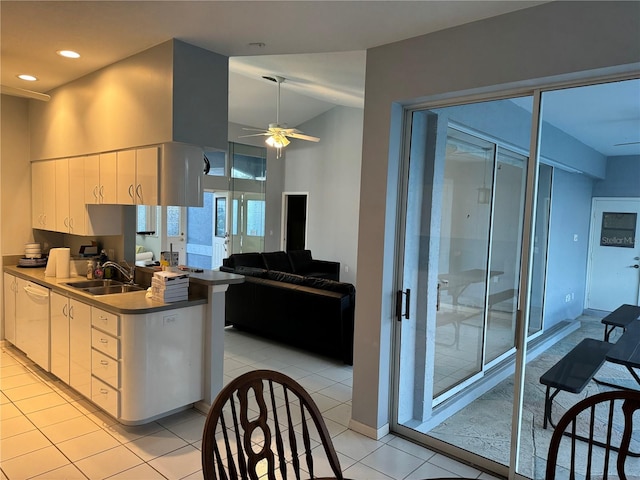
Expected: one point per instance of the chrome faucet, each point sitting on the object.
(127, 274)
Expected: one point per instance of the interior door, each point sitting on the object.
(614, 263)
(176, 232)
(294, 221)
(221, 227)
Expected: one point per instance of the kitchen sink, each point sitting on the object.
(93, 283)
(104, 287)
(110, 289)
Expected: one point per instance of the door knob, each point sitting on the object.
(634, 266)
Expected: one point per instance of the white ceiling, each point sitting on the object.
(318, 46)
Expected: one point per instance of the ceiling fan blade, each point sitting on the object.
(263, 134)
(623, 144)
(249, 129)
(302, 136)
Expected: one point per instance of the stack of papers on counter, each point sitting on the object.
(170, 286)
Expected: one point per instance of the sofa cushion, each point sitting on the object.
(251, 272)
(277, 261)
(254, 260)
(301, 260)
(285, 277)
(331, 285)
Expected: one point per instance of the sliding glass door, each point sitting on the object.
(464, 218)
(505, 255)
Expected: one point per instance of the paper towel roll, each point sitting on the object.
(50, 271)
(63, 257)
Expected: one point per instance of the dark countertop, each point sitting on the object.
(132, 303)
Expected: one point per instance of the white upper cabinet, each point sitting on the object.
(77, 209)
(100, 178)
(147, 176)
(43, 195)
(181, 172)
(137, 179)
(84, 195)
(75, 178)
(70, 206)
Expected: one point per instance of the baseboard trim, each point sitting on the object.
(202, 406)
(368, 431)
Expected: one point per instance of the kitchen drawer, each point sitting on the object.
(106, 321)
(105, 368)
(105, 396)
(105, 343)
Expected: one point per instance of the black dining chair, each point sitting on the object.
(265, 423)
(597, 438)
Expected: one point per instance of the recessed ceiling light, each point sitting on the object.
(28, 78)
(68, 53)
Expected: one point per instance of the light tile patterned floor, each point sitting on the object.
(49, 431)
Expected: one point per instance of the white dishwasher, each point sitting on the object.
(32, 321)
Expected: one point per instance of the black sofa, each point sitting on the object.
(309, 311)
(299, 262)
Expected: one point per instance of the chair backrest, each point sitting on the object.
(264, 422)
(595, 439)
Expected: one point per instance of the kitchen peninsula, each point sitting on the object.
(137, 358)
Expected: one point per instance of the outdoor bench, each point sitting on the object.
(573, 371)
(621, 317)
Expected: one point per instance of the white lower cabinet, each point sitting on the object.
(105, 368)
(145, 366)
(105, 396)
(137, 368)
(162, 356)
(33, 327)
(105, 361)
(80, 347)
(71, 342)
(60, 336)
(10, 289)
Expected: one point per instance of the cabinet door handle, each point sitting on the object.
(66, 222)
(64, 310)
(104, 362)
(104, 391)
(71, 312)
(139, 192)
(131, 192)
(95, 193)
(70, 223)
(101, 193)
(104, 319)
(104, 340)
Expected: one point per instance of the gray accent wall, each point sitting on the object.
(557, 41)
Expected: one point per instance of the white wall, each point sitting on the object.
(552, 42)
(15, 182)
(330, 172)
(16, 176)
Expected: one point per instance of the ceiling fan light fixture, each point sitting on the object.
(278, 141)
(277, 134)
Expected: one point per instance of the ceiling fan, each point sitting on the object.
(277, 134)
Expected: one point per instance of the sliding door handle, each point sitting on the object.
(407, 303)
